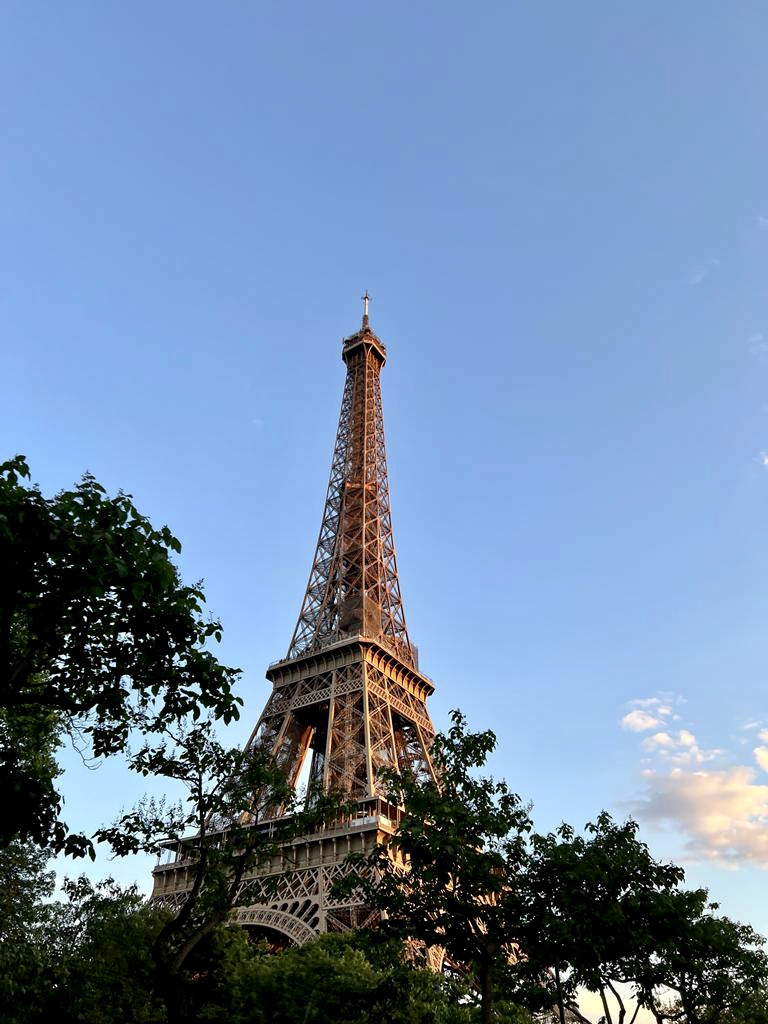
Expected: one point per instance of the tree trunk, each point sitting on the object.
(560, 1005)
(486, 994)
(169, 988)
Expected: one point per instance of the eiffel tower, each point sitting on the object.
(348, 698)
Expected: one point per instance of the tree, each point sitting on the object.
(97, 634)
(447, 877)
(26, 887)
(348, 979)
(222, 830)
(594, 914)
(84, 959)
(541, 918)
(29, 737)
(715, 968)
(91, 961)
(101, 970)
(603, 915)
(753, 1010)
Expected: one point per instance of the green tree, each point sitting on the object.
(348, 979)
(93, 964)
(602, 915)
(541, 918)
(753, 1010)
(222, 831)
(29, 737)
(715, 968)
(595, 914)
(447, 877)
(85, 959)
(102, 971)
(97, 634)
(26, 888)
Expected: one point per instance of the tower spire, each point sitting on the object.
(353, 586)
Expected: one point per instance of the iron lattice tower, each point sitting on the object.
(349, 694)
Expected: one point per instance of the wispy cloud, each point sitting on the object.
(762, 222)
(678, 748)
(723, 814)
(650, 712)
(639, 721)
(757, 344)
(703, 270)
(721, 810)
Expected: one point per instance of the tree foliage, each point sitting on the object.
(595, 909)
(83, 959)
(97, 631)
(347, 979)
(89, 960)
(219, 829)
(602, 915)
(26, 887)
(29, 737)
(457, 849)
(103, 970)
(714, 967)
(543, 918)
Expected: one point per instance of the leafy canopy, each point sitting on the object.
(96, 629)
(223, 830)
(445, 878)
(538, 919)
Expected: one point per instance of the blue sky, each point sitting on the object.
(561, 213)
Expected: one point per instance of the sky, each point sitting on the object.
(561, 214)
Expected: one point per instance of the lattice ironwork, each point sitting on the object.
(350, 692)
(353, 586)
(349, 695)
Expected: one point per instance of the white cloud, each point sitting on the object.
(762, 222)
(639, 720)
(723, 813)
(659, 739)
(650, 712)
(678, 748)
(656, 702)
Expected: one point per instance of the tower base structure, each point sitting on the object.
(289, 899)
